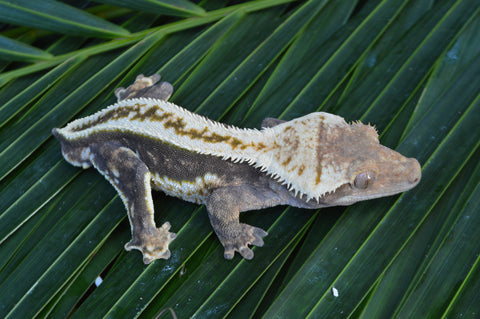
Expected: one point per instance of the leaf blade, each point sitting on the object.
(12, 50)
(180, 8)
(58, 17)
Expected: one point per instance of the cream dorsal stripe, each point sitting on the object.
(287, 151)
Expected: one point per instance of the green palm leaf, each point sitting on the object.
(409, 67)
(58, 17)
(11, 50)
(181, 8)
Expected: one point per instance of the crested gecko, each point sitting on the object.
(144, 142)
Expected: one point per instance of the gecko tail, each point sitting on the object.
(55, 133)
(74, 153)
(60, 136)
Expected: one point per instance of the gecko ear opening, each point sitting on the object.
(364, 179)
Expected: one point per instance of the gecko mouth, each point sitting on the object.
(385, 193)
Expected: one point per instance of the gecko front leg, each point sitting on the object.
(146, 87)
(271, 122)
(131, 178)
(224, 206)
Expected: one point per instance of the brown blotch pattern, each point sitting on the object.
(176, 123)
(124, 113)
(301, 169)
(260, 146)
(318, 178)
(169, 120)
(287, 161)
(319, 153)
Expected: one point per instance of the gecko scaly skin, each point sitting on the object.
(145, 142)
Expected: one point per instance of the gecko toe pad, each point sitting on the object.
(154, 244)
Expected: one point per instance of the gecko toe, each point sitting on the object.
(258, 233)
(257, 242)
(147, 260)
(246, 252)
(135, 243)
(229, 253)
(166, 226)
(166, 254)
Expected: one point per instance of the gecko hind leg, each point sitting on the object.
(131, 178)
(224, 206)
(146, 87)
(271, 122)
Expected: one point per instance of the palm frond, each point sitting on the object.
(410, 67)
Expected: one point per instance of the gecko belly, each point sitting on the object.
(195, 191)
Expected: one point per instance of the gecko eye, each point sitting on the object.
(363, 180)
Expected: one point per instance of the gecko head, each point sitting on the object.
(369, 170)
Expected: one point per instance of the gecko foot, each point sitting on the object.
(248, 235)
(146, 87)
(153, 244)
(141, 82)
